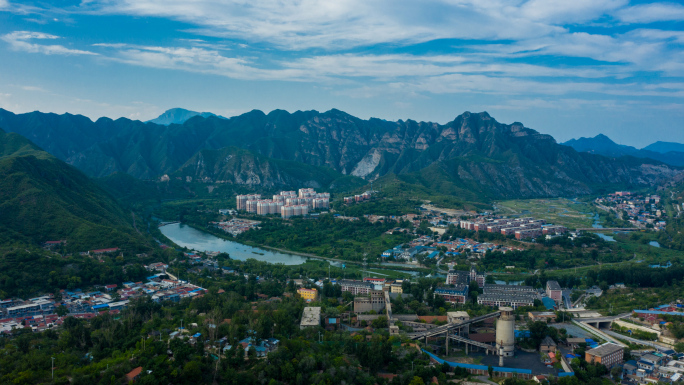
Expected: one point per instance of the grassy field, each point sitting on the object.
(559, 211)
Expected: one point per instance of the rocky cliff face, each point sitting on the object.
(472, 152)
(239, 166)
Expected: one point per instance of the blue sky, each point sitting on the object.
(566, 68)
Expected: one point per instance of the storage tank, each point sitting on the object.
(505, 332)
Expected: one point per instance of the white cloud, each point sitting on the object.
(649, 13)
(4, 4)
(565, 11)
(340, 24)
(21, 41)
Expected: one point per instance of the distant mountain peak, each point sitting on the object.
(665, 147)
(179, 116)
(669, 153)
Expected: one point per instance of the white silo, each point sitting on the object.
(505, 332)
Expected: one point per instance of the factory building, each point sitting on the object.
(375, 301)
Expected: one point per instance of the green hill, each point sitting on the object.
(43, 199)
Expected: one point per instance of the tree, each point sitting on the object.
(538, 330)
(615, 372)
(61, 310)
(679, 346)
(417, 381)
(490, 370)
(380, 322)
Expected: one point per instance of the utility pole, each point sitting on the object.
(53, 369)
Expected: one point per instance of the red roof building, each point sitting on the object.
(134, 374)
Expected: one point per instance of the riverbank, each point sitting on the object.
(298, 254)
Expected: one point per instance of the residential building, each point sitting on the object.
(456, 294)
(456, 277)
(134, 374)
(308, 294)
(506, 299)
(357, 287)
(554, 291)
(608, 354)
(396, 288)
(548, 345)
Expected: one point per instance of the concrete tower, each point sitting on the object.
(505, 333)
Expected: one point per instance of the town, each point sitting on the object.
(641, 211)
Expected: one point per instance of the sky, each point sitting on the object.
(568, 68)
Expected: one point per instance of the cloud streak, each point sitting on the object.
(22, 41)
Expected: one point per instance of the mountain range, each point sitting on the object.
(666, 152)
(44, 199)
(472, 155)
(179, 116)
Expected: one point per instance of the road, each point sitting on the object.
(452, 212)
(438, 268)
(566, 299)
(636, 341)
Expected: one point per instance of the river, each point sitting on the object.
(187, 236)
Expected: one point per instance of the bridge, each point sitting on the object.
(388, 307)
(602, 322)
(598, 332)
(449, 327)
(487, 347)
(167, 223)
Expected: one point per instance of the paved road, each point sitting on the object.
(634, 340)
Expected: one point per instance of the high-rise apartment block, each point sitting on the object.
(286, 203)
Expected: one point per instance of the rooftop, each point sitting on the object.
(604, 350)
(311, 316)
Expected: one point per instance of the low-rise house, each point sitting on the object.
(548, 345)
(134, 374)
(547, 316)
